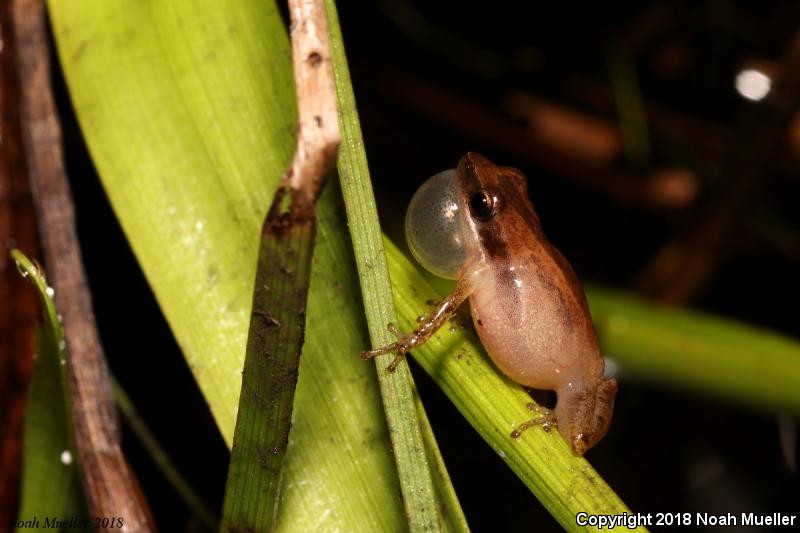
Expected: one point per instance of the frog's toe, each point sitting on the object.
(545, 418)
(398, 358)
(369, 354)
(394, 330)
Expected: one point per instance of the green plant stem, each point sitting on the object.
(451, 508)
(415, 474)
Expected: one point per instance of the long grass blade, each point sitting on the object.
(416, 478)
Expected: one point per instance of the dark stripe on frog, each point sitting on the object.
(570, 294)
(554, 273)
(493, 241)
(555, 294)
(567, 291)
(495, 246)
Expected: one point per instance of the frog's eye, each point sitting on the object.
(482, 205)
(434, 226)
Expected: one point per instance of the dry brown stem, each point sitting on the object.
(111, 487)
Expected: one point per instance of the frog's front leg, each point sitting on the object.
(429, 324)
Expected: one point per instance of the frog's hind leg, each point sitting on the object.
(603, 408)
(545, 418)
(586, 415)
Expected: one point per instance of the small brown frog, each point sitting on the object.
(476, 224)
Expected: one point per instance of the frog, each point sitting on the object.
(476, 224)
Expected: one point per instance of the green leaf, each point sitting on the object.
(51, 485)
(423, 477)
(188, 111)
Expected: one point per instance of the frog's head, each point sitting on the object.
(477, 208)
(500, 214)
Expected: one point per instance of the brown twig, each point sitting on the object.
(317, 122)
(111, 487)
(20, 312)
